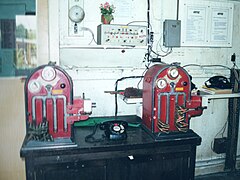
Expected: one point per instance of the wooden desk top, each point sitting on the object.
(137, 138)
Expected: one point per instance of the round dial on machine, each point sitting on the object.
(48, 73)
(161, 83)
(173, 72)
(34, 86)
(76, 14)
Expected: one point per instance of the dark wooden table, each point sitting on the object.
(138, 157)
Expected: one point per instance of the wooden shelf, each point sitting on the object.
(205, 98)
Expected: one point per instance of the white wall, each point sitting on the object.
(95, 70)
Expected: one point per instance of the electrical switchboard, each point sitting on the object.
(121, 35)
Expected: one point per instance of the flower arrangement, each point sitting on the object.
(107, 10)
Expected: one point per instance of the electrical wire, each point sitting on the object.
(148, 32)
(163, 127)
(221, 131)
(140, 22)
(164, 55)
(236, 75)
(90, 138)
(159, 45)
(235, 66)
(187, 65)
(93, 38)
(167, 52)
(180, 113)
(177, 9)
(147, 67)
(150, 50)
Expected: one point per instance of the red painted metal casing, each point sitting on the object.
(49, 97)
(167, 101)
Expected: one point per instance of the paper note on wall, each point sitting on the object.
(123, 12)
(206, 23)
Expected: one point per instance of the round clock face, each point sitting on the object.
(48, 73)
(34, 86)
(173, 72)
(161, 83)
(76, 14)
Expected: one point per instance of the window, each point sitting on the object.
(26, 45)
(17, 37)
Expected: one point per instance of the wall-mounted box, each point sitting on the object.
(171, 33)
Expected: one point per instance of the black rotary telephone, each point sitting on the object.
(219, 82)
(115, 130)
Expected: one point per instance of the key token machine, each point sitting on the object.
(167, 100)
(51, 108)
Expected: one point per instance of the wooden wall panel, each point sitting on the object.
(12, 128)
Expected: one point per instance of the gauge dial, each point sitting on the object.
(161, 83)
(76, 14)
(173, 72)
(48, 73)
(34, 86)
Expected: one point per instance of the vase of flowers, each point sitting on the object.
(107, 11)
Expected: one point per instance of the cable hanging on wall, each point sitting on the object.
(148, 32)
(151, 55)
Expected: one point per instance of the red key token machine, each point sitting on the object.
(51, 108)
(167, 100)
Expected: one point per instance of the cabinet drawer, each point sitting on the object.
(86, 170)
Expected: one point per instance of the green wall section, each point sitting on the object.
(29, 6)
(8, 10)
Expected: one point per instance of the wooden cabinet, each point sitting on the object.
(139, 157)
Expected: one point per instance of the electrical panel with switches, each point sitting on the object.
(121, 35)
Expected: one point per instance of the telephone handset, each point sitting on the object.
(219, 82)
(115, 130)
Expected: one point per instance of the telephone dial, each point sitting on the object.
(219, 82)
(115, 130)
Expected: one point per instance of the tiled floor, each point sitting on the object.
(220, 176)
